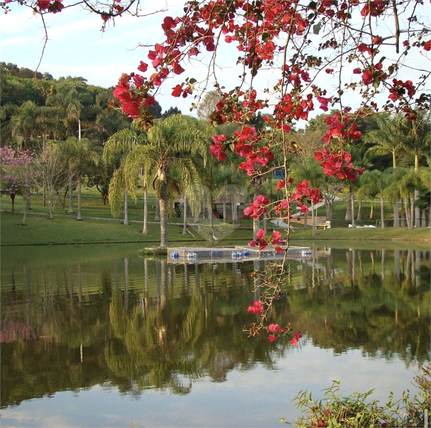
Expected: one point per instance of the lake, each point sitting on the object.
(97, 336)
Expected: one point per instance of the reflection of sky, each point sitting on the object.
(256, 398)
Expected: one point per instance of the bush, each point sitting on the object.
(357, 410)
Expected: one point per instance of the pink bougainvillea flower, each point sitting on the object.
(367, 77)
(176, 92)
(143, 67)
(274, 328)
(271, 338)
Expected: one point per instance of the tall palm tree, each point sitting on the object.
(115, 152)
(174, 143)
(80, 157)
(417, 143)
(411, 182)
(138, 161)
(387, 139)
(369, 187)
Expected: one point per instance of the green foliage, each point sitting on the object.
(358, 410)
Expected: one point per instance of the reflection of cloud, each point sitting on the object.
(253, 398)
(34, 418)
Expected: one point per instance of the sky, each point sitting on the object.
(77, 47)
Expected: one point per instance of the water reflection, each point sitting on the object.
(137, 324)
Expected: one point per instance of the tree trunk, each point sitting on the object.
(144, 227)
(352, 205)
(12, 198)
(224, 211)
(163, 204)
(412, 211)
(126, 209)
(185, 215)
(70, 195)
(50, 196)
(397, 212)
(79, 216)
(403, 215)
(157, 212)
(372, 209)
(24, 212)
(349, 216)
(358, 217)
(407, 212)
(417, 210)
(313, 219)
(382, 211)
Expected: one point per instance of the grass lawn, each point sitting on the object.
(98, 226)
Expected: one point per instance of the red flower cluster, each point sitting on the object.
(337, 165)
(341, 128)
(244, 144)
(277, 331)
(295, 339)
(399, 89)
(258, 207)
(374, 74)
(129, 102)
(256, 308)
(263, 241)
(374, 8)
(50, 6)
(217, 149)
(303, 194)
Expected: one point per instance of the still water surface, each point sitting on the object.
(100, 337)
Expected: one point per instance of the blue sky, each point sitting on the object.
(78, 47)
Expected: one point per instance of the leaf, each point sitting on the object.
(317, 27)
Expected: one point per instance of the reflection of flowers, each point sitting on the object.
(275, 329)
(296, 338)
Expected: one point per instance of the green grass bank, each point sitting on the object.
(99, 227)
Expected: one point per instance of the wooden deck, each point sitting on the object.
(232, 254)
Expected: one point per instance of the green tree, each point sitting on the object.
(114, 153)
(52, 173)
(173, 144)
(80, 158)
(23, 123)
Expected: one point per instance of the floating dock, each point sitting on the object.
(233, 254)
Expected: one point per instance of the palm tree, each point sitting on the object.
(174, 143)
(417, 143)
(138, 160)
(23, 123)
(411, 182)
(311, 171)
(387, 139)
(369, 187)
(114, 153)
(80, 157)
